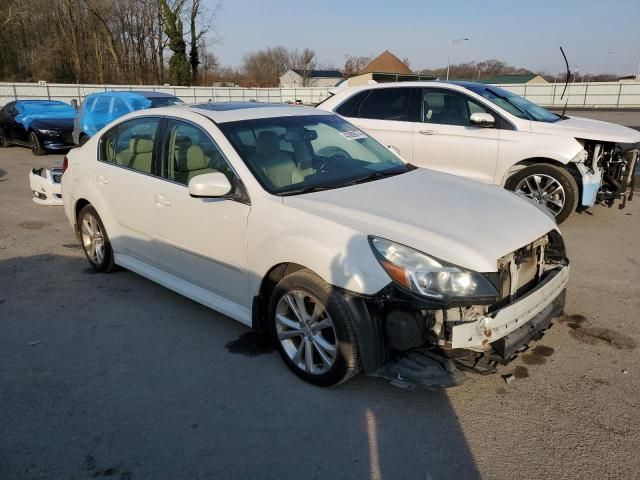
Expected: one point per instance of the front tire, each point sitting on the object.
(551, 186)
(36, 146)
(3, 139)
(95, 242)
(312, 328)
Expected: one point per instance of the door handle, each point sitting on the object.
(428, 132)
(161, 200)
(101, 180)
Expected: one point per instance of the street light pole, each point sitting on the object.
(451, 42)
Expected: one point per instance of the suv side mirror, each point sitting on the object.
(209, 185)
(485, 120)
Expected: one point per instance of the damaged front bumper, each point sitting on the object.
(46, 186)
(411, 342)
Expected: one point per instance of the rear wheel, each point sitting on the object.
(552, 187)
(313, 330)
(36, 146)
(95, 242)
(3, 139)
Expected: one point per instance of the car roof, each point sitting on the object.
(130, 93)
(429, 83)
(222, 112)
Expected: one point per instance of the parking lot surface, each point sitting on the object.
(112, 376)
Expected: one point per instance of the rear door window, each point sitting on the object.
(389, 104)
(131, 144)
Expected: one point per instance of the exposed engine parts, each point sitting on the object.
(617, 163)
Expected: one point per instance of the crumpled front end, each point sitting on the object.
(46, 187)
(431, 345)
(608, 172)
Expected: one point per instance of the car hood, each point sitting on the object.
(459, 221)
(61, 124)
(588, 129)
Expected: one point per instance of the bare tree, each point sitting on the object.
(354, 65)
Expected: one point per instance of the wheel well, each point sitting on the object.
(532, 161)
(80, 204)
(269, 281)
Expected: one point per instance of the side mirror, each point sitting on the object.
(485, 120)
(209, 185)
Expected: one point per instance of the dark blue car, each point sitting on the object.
(39, 124)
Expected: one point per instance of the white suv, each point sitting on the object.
(294, 222)
(493, 136)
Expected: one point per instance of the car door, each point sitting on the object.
(201, 240)
(387, 114)
(16, 131)
(445, 139)
(126, 178)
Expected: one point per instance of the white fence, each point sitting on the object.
(68, 92)
(585, 95)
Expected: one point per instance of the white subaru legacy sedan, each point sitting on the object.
(490, 135)
(296, 223)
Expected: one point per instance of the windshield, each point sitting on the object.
(302, 154)
(164, 101)
(514, 104)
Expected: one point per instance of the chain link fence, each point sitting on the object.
(606, 95)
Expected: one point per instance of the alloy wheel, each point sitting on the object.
(92, 239)
(543, 189)
(306, 332)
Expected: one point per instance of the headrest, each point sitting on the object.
(195, 158)
(299, 135)
(140, 145)
(268, 143)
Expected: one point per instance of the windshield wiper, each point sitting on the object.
(374, 176)
(300, 191)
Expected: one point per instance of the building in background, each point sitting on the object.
(310, 78)
(386, 67)
(507, 79)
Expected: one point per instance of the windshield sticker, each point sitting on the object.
(353, 135)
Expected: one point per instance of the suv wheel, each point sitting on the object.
(552, 187)
(312, 329)
(95, 242)
(36, 146)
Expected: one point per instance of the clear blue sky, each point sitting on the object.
(522, 33)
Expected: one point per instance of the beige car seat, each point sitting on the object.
(277, 165)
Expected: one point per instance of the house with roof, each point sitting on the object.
(310, 78)
(386, 67)
(508, 79)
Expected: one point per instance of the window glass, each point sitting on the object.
(190, 152)
(101, 105)
(299, 154)
(514, 104)
(448, 108)
(130, 144)
(119, 108)
(351, 106)
(387, 104)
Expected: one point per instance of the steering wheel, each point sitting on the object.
(331, 153)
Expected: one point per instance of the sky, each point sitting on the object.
(598, 36)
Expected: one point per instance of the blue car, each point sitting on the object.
(100, 109)
(41, 125)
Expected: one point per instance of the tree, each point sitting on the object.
(304, 62)
(179, 68)
(354, 65)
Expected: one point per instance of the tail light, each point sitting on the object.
(65, 164)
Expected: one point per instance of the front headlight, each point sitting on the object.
(47, 131)
(430, 277)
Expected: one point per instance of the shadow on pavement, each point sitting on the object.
(113, 375)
